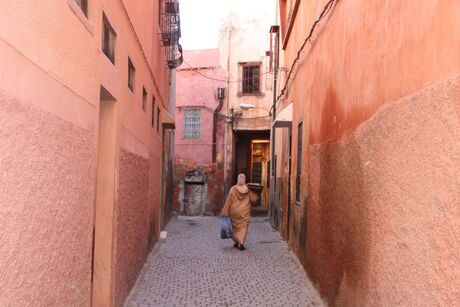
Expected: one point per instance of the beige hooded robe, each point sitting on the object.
(238, 208)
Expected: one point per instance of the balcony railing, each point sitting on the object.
(171, 33)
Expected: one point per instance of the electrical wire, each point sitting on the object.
(219, 114)
(195, 70)
(323, 14)
(327, 8)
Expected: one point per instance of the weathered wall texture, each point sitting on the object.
(378, 93)
(47, 207)
(132, 221)
(154, 199)
(50, 94)
(214, 185)
(244, 38)
(199, 93)
(383, 206)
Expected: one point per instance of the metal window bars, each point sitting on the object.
(192, 124)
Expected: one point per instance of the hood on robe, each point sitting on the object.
(241, 191)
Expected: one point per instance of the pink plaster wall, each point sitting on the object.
(139, 201)
(47, 206)
(378, 93)
(132, 222)
(193, 90)
(50, 91)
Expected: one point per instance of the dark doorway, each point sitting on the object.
(252, 158)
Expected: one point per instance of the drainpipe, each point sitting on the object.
(220, 97)
(274, 30)
(229, 39)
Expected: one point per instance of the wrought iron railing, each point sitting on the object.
(171, 33)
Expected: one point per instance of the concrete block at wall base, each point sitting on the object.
(163, 235)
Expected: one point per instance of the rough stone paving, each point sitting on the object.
(194, 267)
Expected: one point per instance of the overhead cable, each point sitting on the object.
(323, 14)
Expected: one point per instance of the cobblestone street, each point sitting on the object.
(194, 267)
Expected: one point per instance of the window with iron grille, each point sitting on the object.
(299, 163)
(131, 75)
(192, 124)
(83, 4)
(108, 39)
(250, 79)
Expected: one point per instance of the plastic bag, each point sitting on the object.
(225, 228)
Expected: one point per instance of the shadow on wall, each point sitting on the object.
(338, 228)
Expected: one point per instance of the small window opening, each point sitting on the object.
(251, 79)
(83, 4)
(144, 99)
(108, 40)
(192, 124)
(131, 75)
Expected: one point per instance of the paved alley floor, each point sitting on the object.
(194, 267)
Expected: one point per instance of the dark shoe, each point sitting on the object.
(235, 245)
(241, 247)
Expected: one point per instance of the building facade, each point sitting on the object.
(244, 43)
(370, 199)
(240, 141)
(199, 138)
(83, 117)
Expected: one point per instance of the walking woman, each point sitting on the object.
(238, 208)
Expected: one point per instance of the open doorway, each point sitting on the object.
(253, 159)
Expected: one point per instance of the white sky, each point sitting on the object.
(200, 23)
(201, 19)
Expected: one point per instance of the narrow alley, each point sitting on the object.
(194, 267)
(319, 138)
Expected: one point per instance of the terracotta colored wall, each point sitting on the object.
(50, 92)
(395, 206)
(378, 93)
(138, 209)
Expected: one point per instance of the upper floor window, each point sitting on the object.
(131, 75)
(144, 99)
(250, 81)
(192, 124)
(108, 39)
(83, 4)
